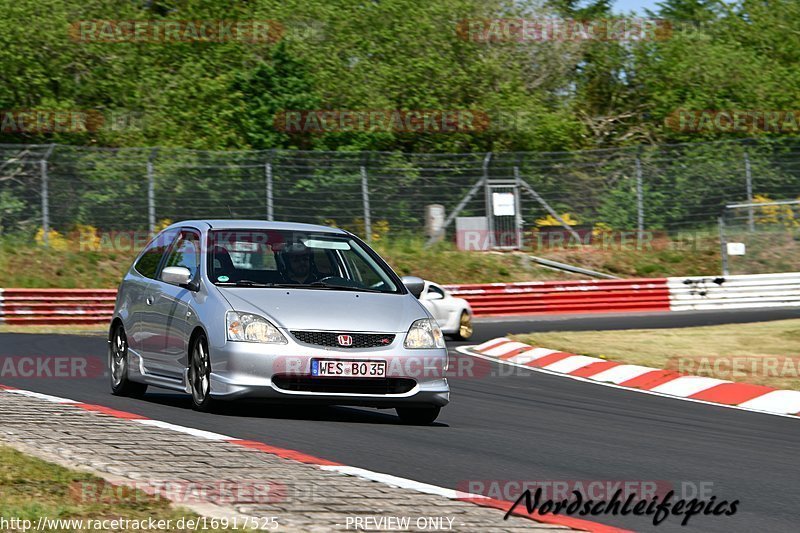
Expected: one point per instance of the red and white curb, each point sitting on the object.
(331, 466)
(746, 396)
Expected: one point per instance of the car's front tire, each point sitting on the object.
(418, 416)
(118, 366)
(200, 375)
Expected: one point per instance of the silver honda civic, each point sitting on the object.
(226, 309)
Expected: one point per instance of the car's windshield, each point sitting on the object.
(276, 258)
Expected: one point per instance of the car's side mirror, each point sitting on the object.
(432, 295)
(414, 285)
(180, 276)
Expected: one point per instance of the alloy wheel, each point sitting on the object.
(465, 326)
(200, 371)
(119, 352)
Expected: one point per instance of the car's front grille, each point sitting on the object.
(339, 385)
(344, 340)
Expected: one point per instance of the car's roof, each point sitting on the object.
(235, 224)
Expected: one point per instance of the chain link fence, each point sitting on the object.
(663, 188)
(760, 237)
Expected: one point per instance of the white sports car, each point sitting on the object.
(454, 315)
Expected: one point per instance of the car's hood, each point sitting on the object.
(328, 310)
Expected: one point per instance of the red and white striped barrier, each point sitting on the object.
(549, 297)
(633, 295)
(734, 292)
(56, 306)
(95, 306)
(665, 382)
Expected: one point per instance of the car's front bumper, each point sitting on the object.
(283, 373)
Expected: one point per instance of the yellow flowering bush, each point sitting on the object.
(601, 228)
(550, 220)
(163, 224)
(380, 228)
(774, 215)
(88, 239)
(55, 240)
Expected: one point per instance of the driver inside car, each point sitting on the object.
(299, 264)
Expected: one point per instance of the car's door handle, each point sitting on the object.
(149, 300)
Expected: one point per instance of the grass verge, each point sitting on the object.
(764, 353)
(89, 331)
(31, 488)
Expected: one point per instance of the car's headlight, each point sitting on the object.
(424, 333)
(247, 327)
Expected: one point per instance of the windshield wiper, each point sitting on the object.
(313, 285)
(322, 285)
(246, 283)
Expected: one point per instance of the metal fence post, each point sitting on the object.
(724, 246)
(46, 196)
(639, 202)
(151, 193)
(268, 173)
(365, 196)
(749, 184)
(487, 195)
(518, 206)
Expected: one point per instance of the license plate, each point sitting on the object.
(348, 369)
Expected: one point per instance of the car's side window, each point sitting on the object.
(433, 289)
(148, 263)
(186, 253)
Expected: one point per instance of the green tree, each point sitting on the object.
(691, 11)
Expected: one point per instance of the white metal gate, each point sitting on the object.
(504, 217)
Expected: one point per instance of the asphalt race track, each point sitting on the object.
(513, 426)
(489, 328)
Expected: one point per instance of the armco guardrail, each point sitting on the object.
(734, 292)
(95, 306)
(56, 306)
(546, 297)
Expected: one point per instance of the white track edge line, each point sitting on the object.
(401, 482)
(39, 395)
(203, 434)
(209, 435)
(464, 350)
